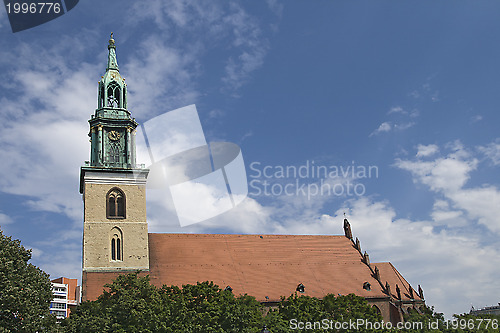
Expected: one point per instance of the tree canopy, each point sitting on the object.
(25, 290)
(132, 304)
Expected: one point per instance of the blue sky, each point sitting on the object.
(409, 87)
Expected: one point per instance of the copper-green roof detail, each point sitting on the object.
(112, 129)
(112, 63)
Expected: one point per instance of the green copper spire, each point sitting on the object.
(112, 129)
(112, 63)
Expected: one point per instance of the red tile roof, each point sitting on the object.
(261, 265)
(267, 265)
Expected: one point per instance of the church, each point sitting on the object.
(116, 238)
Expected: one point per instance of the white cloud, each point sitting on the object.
(442, 174)
(448, 176)
(397, 109)
(441, 261)
(5, 219)
(443, 214)
(161, 78)
(44, 143)
(427, 150)
(403, 126)
(384, 127)
(492, 151)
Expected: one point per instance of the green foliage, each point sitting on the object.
(431, 321)
(132, 304)
(304, 309)
(459, 324)
(25, 290)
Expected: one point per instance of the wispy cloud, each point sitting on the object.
(400, 119)
(161, 78)
(251, 45)
(427, 150)
(5, 219)
(492, 152)
(213, 23)
(384, 127)
(397, 109)
(476, 118)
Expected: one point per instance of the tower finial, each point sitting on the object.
(112, 63)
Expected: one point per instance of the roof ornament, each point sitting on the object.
(377, 273)
(388, 288)
(111, 40)
(420, 292)
(347, 228)
(398, 291)
(366, 258)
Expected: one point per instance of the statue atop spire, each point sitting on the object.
(112, 63)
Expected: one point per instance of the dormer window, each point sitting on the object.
(115, 204)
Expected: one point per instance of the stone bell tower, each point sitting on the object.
(115, 231)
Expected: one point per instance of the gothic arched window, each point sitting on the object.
(124, 99)
(114, 94)
(114, 153)
(116, 244)
(101, 95)
(115, 204)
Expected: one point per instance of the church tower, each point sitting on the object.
(115, 231)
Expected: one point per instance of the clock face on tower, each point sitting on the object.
(114, 135)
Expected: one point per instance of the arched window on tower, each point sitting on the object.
(124, 99)
(101, 95)
(115, 204)
(116, 239)
(114, 94)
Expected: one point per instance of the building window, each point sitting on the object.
(54, 305)
(115, 202)
(114, 95)
(114, 153)
(116, 244)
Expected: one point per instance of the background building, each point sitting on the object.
(66, 296)
(491, 310)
